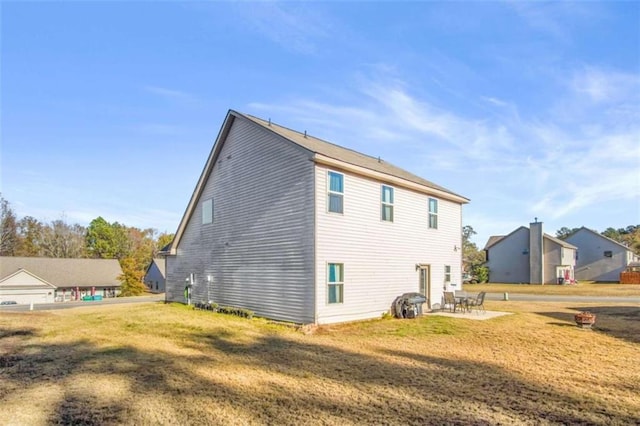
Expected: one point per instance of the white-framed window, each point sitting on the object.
(335, 191)
(335, 283)
(433, 213)
(387, 203)
(207, 211)
(447, 273)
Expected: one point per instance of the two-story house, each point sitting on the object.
(154, 276)
(528, 255)
(600, 258)
(302, 230)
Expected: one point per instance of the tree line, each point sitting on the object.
(133, 247)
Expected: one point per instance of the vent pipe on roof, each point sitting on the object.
(379, 159)
(269, 121)
(305, 133)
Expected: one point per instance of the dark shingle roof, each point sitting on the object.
(346, 155)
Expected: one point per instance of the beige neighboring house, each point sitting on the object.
(154, 277)
(46, 280)
(528, 255)
(600, 258)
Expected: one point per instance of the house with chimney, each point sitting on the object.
(528, 255)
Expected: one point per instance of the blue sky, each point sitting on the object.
(529, 109)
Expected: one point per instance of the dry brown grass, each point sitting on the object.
(584, 288)
(166, 364)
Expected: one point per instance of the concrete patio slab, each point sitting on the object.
(477, 316)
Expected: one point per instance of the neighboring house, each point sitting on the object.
(302, 230)
(154, 277)
(600, 258)
(528, 255)
(45, 280)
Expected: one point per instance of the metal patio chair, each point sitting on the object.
(452, 301)
(477, 302)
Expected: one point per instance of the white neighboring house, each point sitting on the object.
(154, 277)
(302, 230)
(528, 255)
(600, 258)
(45, 280)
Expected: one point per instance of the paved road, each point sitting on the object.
(553, 298)
(154, 298)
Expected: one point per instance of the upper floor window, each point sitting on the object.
(335, 282)
(387, 203)
(207, 211)
(447, 273)
(336, 192)
(433, 213)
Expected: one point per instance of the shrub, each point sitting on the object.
(482, 274)
(241, 312)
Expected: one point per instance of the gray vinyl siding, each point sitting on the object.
(153, 277)
(259, 251)
(509, 258)
(592, 265)
(554, 256)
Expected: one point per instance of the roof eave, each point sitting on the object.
(363, 171)
(204, 176)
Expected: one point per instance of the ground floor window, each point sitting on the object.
(335, 282)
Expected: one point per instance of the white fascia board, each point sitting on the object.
(384, 177)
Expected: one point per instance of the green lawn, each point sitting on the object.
(168, 364)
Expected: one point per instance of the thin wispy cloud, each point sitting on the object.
(290, 25)
(559, 167)
(170, 94)
(602, 86)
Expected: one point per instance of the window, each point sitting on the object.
(608, 253)
(336, 192)
(387, 203)
(335, 282)
(433, 213)
(447, 273)
(207, 211)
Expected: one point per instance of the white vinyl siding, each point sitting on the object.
(387, 203)
(381, 259)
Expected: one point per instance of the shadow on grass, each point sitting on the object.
(621, 322)
(305, 383)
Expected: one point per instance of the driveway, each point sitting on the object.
(517, 297)
(154, 298)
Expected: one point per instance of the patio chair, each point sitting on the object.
(452, 301)
(477, 302)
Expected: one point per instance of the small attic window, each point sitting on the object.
(608, 253)
(207, 211)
